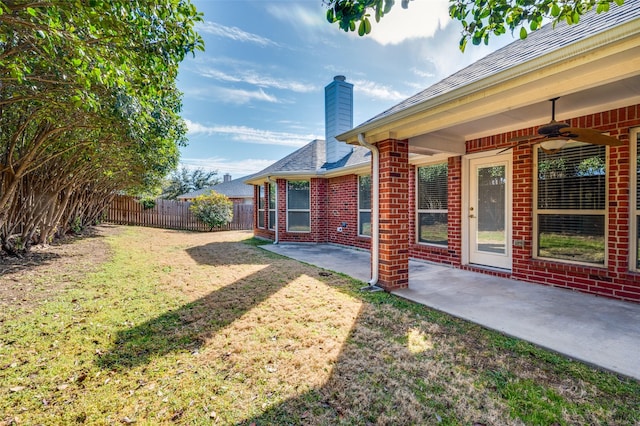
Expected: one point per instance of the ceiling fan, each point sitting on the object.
(555, 135)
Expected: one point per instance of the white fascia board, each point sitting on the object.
(622, 37)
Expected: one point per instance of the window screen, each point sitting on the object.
(298, 202)
(272, 206)
(432, 204)
(261, 207)
(364, 205)
(637, 203)
(571, 203)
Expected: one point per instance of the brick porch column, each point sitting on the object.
(394, 214)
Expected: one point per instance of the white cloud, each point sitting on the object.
(421, 73)
(239, 96)
(233, 33)
(378, 91)
(295, 13)
(249, 135)
(308, 21)
(236, 169)
(448, 59)
(252, 77)
(420, 20)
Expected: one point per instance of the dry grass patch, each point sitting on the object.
(202, 328)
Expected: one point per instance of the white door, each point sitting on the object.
(489, 211)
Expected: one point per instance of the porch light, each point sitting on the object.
(554, 145)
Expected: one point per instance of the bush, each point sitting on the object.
(213, 209)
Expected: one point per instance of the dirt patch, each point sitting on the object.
(46, 270)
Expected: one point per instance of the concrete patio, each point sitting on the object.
(596, 330)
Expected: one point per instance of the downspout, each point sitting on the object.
(375, 214)
(273, 182)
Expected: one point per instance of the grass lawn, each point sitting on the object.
(146, 326)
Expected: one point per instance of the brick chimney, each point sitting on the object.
(338, 113)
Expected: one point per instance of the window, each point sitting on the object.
(635, 205)
(432, 204)
(570, 203)
(261, 206)
(298, 213)
(272, 206)
(364, 206)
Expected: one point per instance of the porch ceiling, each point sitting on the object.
(592, 81)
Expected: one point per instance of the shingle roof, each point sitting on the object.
(311, 159)
(308, 158)
(359, 155)
(538, 43)
(233, 189)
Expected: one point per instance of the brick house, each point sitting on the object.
(433, 177)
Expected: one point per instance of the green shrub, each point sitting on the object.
(213, 209)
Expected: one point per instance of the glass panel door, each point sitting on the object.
(490, 212)
(491, 229)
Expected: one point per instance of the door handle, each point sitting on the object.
(472, 216)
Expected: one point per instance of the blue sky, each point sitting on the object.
(257, 92)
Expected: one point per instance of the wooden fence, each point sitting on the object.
(170, 214)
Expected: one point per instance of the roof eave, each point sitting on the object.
(599, 45)
(305, 174)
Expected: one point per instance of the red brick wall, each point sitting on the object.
(319, 204)
(343, 208)
(615, 280)
(335, 201)
(394, 214)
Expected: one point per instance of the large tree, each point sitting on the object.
(186, 180)
(88, 103)
(479, 18)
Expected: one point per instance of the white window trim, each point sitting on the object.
(633, 190)
(418, 211)
(261, 191)
(363, 210)
(269, 209)
(537, 211)
(299, 210)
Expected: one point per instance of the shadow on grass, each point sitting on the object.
(375, 379)
(41, 256)
(188, 327)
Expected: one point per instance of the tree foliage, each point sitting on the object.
(184, 180)
(479, 18)
(88, 106)
(213, 209)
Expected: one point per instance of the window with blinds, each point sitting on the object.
(570, 205)
(635, 144)
(261, 206)
(272, 206)
(364, 206)
(432, 204)
(298, 206)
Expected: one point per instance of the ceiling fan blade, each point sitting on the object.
(591, 136)
(528, 141)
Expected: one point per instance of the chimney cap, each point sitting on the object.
(339, 78)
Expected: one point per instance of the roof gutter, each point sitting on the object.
(590, 47)
(306, 174)
(375, 214)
